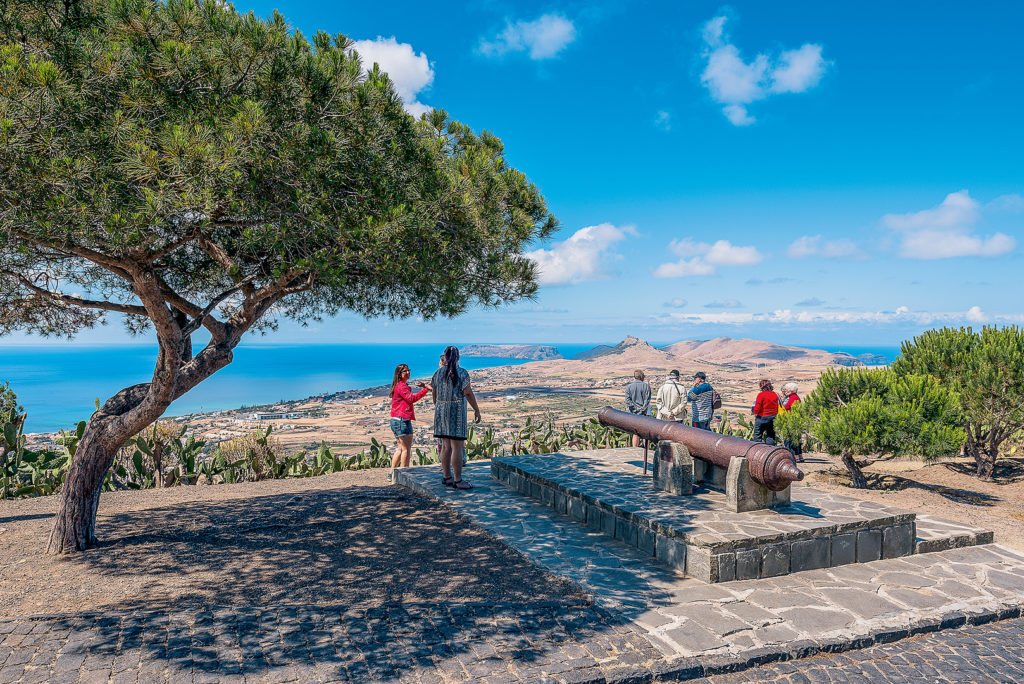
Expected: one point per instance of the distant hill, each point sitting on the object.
(746, 352)
(687, 355)
(633, 353)
(630, 344)
(873, 359)
(535, 352)
(592, 353)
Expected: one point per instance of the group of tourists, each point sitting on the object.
(672, 399)
(673, 396)
(451, 390)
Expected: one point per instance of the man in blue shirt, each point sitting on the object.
(701, 398)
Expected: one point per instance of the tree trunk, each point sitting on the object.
(985, 462)
(856, 474)
(74, 528)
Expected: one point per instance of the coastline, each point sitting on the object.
(59, 386)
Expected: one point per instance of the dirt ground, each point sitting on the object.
(947, 490)
(342, 539)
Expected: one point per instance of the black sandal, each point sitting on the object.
(448, 481)
(461, 484)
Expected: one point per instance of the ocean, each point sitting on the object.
(58, 385)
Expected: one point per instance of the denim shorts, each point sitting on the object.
(401, 426)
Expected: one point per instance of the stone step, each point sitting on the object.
(939, 534)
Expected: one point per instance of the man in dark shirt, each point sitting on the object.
(638, 398)
(701, 398)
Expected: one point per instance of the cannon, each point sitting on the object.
(772, 466)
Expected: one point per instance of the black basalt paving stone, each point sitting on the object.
(993, 652)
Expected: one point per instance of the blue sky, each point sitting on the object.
(809, 173)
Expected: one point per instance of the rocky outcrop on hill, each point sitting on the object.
(535, 352)
(592, 353)
(630, 344)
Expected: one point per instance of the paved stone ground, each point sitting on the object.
(395, 643)
(648, 623)
(986, 653)
(848, 605)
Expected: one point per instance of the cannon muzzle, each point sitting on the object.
(773, 466)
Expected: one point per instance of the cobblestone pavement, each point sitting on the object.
(985, 653)
(849, 604)
(647, 622)
(396, 643)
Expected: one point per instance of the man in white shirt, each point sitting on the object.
(672, 399)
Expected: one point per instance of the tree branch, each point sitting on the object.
(77, 301)
(110, 263)
(216, 328)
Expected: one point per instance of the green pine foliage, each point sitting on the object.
(855, 413)
(183, 166)
(986, 371)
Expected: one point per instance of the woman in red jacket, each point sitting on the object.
(402, 415)
(766, 407)
(789, 392)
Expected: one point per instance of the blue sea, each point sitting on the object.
(58, 385)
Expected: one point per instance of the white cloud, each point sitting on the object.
(583, 256)
(676, 303)
(1012, 203)
(411, 73)
(684, 268)
(724, 304)
(701, 258)
(724, 254)
(663, 120)
(946, 231)
(817, 246)
(976, 315)
(543, 38)
(798, 70)
(735, 83)
(901, 316)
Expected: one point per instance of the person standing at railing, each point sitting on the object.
(402, 415)
(672, 399)
(766, 407)
(791, 398)
(638, 399)
(702, 399)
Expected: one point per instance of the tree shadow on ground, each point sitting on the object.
(361, 583)
(1007, 470)
(959, 495)
(28, 516)
(347, 546)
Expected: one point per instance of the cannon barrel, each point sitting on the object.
(772, 466)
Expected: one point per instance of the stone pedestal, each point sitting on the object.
(673, 468)
(743, 493)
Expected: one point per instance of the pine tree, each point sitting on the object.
(857, 413)
(986, 370)
(195, 170)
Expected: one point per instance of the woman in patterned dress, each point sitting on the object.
(451, 390)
